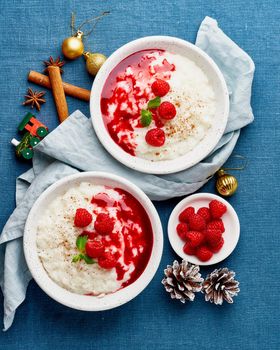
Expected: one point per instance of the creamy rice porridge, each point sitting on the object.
(157, 105)
(94, 239)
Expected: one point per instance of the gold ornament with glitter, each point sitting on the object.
(73, 47)
(94, 62)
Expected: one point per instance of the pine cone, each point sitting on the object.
(220, 285)
(182, 280)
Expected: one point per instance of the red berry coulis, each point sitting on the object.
(128, 89)
(135, 239)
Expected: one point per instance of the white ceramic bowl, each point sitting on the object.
(83, 302)
(213, 135)
(231, 223)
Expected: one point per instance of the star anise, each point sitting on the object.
(34, 99)
(52, 62)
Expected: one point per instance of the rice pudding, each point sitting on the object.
(94, 239)
(157, 105)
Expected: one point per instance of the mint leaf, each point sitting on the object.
(154, 103)
(84, 257)
(87, 259)
(76, 258)
(81, 243)
(146, 117)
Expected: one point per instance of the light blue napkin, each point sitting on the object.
(73, 145)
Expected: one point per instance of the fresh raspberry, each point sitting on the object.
(186, 213)
(90, 234)
(188, 249)
(107, 261)
(203, 253)
(82, 218)
(217, 247)
(213, 237)
(167, 110)
(195, 238)
(160, 87)
(216, 225)
(197, 223)
(155, 137)
(104, 224)
(116, 237)
(217, 209)
(117, 255)
(106, 242)
(182, 229)
(94, 249)
(205, 213)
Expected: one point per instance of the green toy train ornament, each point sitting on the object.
(35, 131)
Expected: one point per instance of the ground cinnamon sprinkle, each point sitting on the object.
(177, 104)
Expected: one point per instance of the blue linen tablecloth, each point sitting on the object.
(31, 32)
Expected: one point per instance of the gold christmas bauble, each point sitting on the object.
(73, 46)
(94, 61)
(226, 184)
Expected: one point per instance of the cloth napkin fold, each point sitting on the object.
(73, 147)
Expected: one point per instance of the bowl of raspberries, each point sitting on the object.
(203, 229)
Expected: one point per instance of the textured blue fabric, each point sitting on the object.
(32, 31)
(75, 143)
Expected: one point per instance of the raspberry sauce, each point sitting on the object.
(127, 90)
(131, 241)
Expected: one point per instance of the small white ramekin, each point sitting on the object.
(215, 78)
(230, 220)
(84, 302)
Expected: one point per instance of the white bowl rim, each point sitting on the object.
(165, 166)
(84, 302)
(171, 229)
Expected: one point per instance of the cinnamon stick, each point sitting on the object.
(69, 89)
(58, 92)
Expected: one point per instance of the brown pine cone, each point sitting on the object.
(182, 280)
(220, 285)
